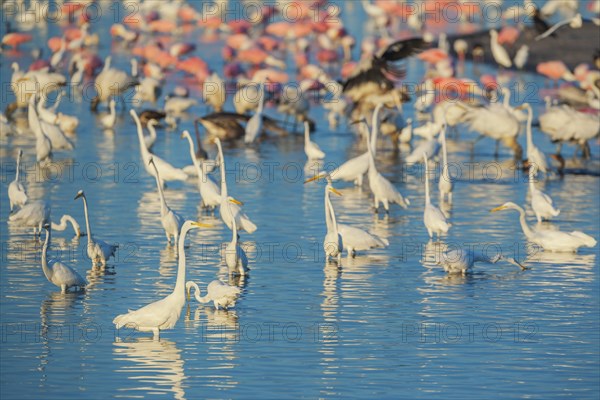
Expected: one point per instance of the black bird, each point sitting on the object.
(228, 125)
(147, 115)
(540, 24)
(378, 75)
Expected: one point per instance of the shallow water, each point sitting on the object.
(387, 323)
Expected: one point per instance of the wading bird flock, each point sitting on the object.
(365, 94)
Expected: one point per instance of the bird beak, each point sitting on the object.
(78, 196)
(202, 225)
(314, 178)
(182, 135)
(497, 209)
(188, 294)
(334, 190)
(234, 201)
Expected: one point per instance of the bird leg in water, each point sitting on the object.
(497, 149)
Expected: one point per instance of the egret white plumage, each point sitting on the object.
(550, 240)
(433, 218)
(43, 146)
(150, 139)
(407, 132)
(57, 273)
(97, 250)
(221, 294)
(353, 239)
(34, 214)
(535, 157)
(17, 196)
(311, 149)
(111, 82)
(461, 261)
(170, 220)
(108, 121)
(383, 190)
(254, 125)
(445, 185)
(209, 190)
(235, 256)
(541, 203)
(498, 52)
(167, 171)
(230, 210)
(65, 221)
(164, 313)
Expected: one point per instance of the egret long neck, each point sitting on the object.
(233, 226)
(526, 230)
(179, 290)
(529, 133)
(197, 293)
(18, 167)
(223, 169)
(163, 203)
(47, 270)
(143, 149)
(328, 221)
(333, 220)
(193, 155)
(87, 220)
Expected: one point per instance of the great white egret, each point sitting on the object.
(17, 196)
(151, 138)
(535, 157)
(111, 82)
(57, 273)
(255, 123)
(551, 240)
(383, 190)
(221, 294)
(230, 210)
(235, 256)
(33, 214)
(353, 239)
(43, 145)
(209, 190)
(460, 261)
(433, 218)
(311, 149)
(162, 314)
(108, 121)
(170, 220)
(498, 52)
(167, 171)
(97, 250)
(541, 203)
(332, 244)
(65, 220)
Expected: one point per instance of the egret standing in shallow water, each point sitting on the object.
(535, 157)
(550, 240)
(162, 314)
(16, 191)
(353, 239)
(311, 149)
(541, 203)
(209, 190)
(433, 218)
(221, 294)
(58, 273)
(97, 250)
(461, 261)
(170, 220)
(235, 256)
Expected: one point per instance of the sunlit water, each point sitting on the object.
(388, 323)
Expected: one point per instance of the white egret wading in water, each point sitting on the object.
(311, 149)
(57, 273)
(235, 256)
(353, 239)
(162, 314)
(550, 240)
(97, 250)
(209, 190)
(221, 294)
(16, 191)
(433, 218)
(541, 203)
(170, 220)
(461, 261)
(231, 210)
(383, 190)
(535, 157)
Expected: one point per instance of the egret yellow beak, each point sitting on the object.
(314, 178)
(188, 294)
(182, 136)
(234, 201)
(202, 225)
(334, 190)
(498, 209)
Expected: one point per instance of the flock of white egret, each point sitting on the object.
(369, 93)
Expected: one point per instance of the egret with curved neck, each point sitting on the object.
(209, 190)
(235, 256)
(433, 218)
(221, 294)
(97, 250)
(550, 240)
(17, 196)
(162, 314)
(56, 272)
(170, 220)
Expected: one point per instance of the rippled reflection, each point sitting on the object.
(156, 366)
